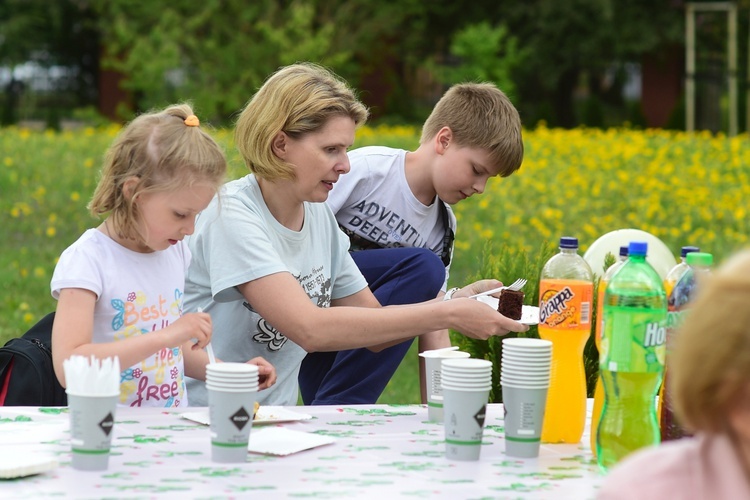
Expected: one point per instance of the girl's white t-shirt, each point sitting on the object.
(137, 294)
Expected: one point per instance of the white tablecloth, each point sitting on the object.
(381, 451)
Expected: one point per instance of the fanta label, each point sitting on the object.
(565, 304)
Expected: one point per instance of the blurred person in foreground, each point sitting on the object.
(710, 384)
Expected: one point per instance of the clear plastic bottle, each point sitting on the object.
(632, 358)
(599, 390)
(699, 264)
(673, 276)
(566, 291)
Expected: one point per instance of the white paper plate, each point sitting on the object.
(529, 314)
(281, 441)
(659, 255)
(266, 415)
(25, 465)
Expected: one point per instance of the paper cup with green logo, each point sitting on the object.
(433, 361)
(232, 392)
(92, 421)
(464, 410)
(524, 405)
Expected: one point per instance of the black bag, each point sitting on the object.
(27, 376)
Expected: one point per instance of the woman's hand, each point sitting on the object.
(476, 319)
(266, 372)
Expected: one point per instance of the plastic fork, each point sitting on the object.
(209, 347)
(516, 285)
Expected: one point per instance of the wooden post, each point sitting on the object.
(732, 66)
(690, 67)
(731, 9)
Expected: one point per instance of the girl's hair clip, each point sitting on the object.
(192, 121)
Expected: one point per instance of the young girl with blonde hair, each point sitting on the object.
(120, 286)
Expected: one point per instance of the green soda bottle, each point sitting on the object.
(631, 361)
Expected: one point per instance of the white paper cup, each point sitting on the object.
(526, 343)
(231, 416)
(465, 376)
(535, 384)
(467, 365)
(524, 363)
(231, 370)
(523, 380)
(526, 358)
(250, 378)
(479, 383)
(433, 371)
(231, 388)
(464, 414)
(526, 368)
(524, 416)
(544, 372)
(531, 362)
(525, 384)
(92, 420)
(232, 392)
(525, 377)
(520, 378)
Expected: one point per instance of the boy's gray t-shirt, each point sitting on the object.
(374, 201)
(237, 240)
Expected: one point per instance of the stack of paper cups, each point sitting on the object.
(93, 389)
(466, 389)
(232, 391)
(524, 376)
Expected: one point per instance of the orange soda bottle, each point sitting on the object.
(566, 291)
(599, 390)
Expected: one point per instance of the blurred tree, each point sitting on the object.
(481, 52)
(566, 41)
(214, 53)
(50, 33)
(217, 52)
(573, 39)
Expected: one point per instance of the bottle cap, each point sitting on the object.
(637, 248)
(624, 251)
(700, 259)
(686, 250)
(568, 242)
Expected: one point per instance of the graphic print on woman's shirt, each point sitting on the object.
(317, 287)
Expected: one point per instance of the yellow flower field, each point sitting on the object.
(683, 188)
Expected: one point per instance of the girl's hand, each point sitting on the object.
(266, 372)
(191, 326)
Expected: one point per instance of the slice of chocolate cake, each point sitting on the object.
(510, 304)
